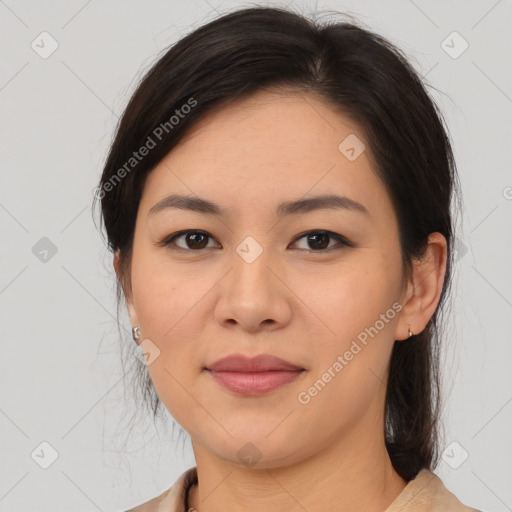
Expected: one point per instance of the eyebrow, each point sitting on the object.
(201, 205)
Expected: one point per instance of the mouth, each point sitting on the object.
(253, 375)
(254, 383)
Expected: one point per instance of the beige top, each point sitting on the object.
(425, 493)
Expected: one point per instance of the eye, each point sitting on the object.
(196, 240)
(319, 240)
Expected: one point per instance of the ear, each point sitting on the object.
(131, 310)
(424, 288)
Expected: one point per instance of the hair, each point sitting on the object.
(359, 74)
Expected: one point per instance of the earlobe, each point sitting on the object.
(425, 288)
(129, 302)
(117, 264)
(134, 320)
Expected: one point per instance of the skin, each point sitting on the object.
(293, 301)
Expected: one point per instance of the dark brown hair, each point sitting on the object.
(361, 75)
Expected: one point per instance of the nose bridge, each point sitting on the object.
(251, 249)
(252, 296)
(251, 261)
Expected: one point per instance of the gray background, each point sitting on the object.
(60, 368)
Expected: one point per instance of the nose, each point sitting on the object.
(253, 296)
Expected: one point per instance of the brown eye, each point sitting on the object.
(193, 240)
(318, 241)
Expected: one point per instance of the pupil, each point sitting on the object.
(194, 238)
(313, 238)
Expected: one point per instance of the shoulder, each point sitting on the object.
(153, 504)
(172, 499)
(426, 492)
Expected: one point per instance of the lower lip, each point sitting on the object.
(255, 383)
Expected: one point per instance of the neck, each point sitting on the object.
(349, 475)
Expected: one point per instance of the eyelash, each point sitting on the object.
(342, 241)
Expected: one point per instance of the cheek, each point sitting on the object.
(358, 309)
(349, 297)
(350, 374)
(165, 295)
(168, 305)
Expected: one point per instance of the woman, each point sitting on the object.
(277, 199)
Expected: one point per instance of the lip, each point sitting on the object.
(253, 375)
(260, 363)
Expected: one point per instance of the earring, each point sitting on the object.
(136, 333)
(411, 334)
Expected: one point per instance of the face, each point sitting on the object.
(320, 288)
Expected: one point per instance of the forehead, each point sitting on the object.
(288, 123)
(271, 146)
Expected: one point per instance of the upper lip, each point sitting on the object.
(260, 363)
